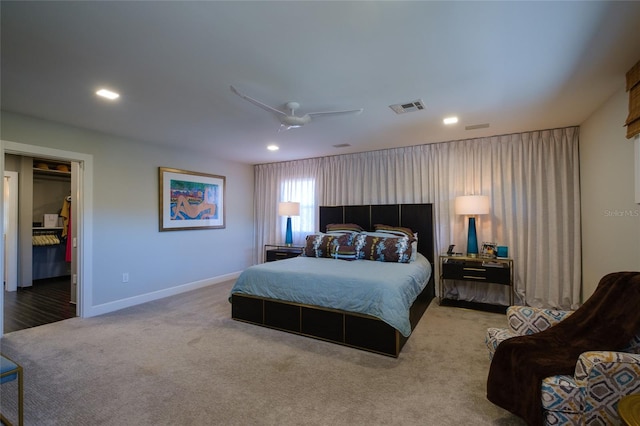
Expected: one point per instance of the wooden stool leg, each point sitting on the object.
(14, 369)
(20, 398)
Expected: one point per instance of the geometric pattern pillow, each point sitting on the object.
(494, 337)
(591, 396)
(562, 400)
(524, 320)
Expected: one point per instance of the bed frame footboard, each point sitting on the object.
(344, 328)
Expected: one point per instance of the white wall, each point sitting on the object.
(610, 216)
(125, 214)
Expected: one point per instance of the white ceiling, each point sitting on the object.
(519, 66)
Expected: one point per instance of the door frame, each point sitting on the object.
(83, 223)
(10, 255)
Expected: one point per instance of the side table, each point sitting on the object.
(478, 270)
(273, 252)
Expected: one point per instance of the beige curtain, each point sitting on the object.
(532, 180)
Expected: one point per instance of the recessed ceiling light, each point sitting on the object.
(273, 147)
(450, 120)
(108, 94)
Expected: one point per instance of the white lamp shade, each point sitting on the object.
(472, 204)
(289, 209)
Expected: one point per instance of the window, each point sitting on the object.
(302, 191)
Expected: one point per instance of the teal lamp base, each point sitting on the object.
(472, 239)
(288, 239)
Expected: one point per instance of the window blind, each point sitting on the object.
(633, 87)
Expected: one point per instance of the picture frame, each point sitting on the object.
(489, 250)
(190, 200)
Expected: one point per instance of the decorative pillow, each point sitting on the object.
(351, 227)
(349, 236)
(378, 234)
(323, 245)
(345, 253)
(414, 248)
(396, 230)
(391, 249)
(400, 232)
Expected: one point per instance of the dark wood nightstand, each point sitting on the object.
(273, 252)
(478, 270)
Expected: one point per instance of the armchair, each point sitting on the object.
(601, 378)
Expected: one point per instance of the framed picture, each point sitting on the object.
(489, 250)
(190, 200)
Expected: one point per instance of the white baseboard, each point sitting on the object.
(92, 311)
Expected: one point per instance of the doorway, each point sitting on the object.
(40, 290)
(81, 179)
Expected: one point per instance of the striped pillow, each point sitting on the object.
(345, 253)
(347, 227)
(395, 230)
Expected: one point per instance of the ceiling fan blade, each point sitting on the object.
(257, 103)
(329, 113)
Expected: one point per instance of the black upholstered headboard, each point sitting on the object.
(417, 217)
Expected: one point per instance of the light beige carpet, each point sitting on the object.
(183, 361)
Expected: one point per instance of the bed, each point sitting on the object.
(308, 295)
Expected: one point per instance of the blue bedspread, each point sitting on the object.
(383, 290)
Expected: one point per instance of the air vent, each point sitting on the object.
(342, 145)
(417, 105)
(477, 126)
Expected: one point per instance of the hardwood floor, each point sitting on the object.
(45, 302)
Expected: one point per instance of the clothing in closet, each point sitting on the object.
(65, 213)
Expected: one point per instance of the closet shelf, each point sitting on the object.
(50, 172)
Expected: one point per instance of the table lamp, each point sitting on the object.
(287, 208)
(472, 205)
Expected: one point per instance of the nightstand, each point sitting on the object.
(479, 270)
(273, 252)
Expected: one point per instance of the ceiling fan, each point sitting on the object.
(291, 120)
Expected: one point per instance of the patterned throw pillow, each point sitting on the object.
(392, 249)
(395, 230)
(400, 231)
(345, 253)
(350, 227)
(323, 245)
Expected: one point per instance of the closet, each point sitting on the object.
(51, 214)
(44, 286)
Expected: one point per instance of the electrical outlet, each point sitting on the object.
(125, 277)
